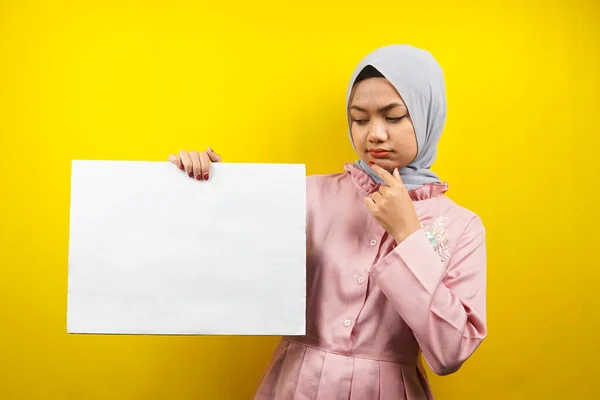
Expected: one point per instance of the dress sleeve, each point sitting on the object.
(444, 306)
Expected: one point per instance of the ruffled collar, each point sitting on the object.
(364, 182)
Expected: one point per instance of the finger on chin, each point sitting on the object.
(383, 174)
(398, 177)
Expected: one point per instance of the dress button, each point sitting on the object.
(347, 322)
(373, 242)
(361, 279)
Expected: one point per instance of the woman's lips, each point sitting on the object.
(378, 153)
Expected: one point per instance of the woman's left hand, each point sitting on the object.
(392, 206)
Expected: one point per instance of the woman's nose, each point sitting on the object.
(378, 132)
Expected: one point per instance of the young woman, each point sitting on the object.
(395, 269)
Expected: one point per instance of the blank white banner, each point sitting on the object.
(152, 251)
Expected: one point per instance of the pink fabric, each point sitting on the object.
(374, 306)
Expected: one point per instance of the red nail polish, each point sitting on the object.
(371, 163)
(181, 167)
(206, 176)
(198, 177)
(190, 174)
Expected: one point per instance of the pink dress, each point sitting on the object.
(374, 306)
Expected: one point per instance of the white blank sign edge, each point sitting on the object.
(154, 252)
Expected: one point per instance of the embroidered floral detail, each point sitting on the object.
(436, 233)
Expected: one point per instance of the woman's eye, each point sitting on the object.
(361, 121)
(398, 119)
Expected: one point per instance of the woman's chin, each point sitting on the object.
(384, 163)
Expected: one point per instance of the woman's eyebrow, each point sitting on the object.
(382, 109)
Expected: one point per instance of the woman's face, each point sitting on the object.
(381, 128)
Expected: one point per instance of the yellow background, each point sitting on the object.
(264, 81)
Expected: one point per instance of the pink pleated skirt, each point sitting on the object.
(298, 372)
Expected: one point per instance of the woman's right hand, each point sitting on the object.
(195, 164)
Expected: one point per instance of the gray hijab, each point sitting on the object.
(419, 79)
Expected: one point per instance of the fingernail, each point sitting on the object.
(190, 174)
(206, 176)
(371, 163)
(181, 167)
(198, 177)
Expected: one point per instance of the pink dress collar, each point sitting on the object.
(364, 182)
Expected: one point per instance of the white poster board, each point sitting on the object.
(152, 251)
